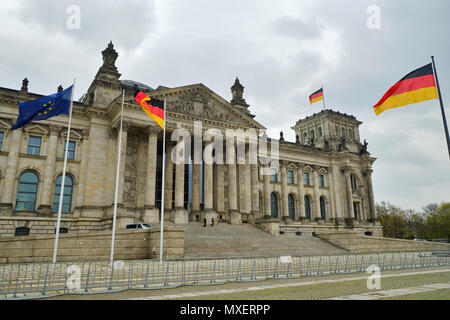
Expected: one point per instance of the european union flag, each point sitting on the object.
(44, 108)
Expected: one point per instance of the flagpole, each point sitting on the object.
(162, 187)
(119, 148)
(323, 95)
(442, 106)
(61, 191)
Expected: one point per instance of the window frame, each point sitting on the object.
(57, 195)
(2, 138)
(22, 193)
(290, 172)
(33, 147)
(306, 179)
(321, 180)
(69, 157)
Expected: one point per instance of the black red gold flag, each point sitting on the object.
(419, 85)
(154, 108)
(316, 96)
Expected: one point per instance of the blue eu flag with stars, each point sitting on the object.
(44, 108)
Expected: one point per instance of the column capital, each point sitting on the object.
(153, 130)
(54, 130)
(367, 172)
(85, 133)
(346, 169)
(284, 163)
(125, 126)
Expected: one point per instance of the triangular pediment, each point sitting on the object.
(4, 125)
(36, 128)
(201, 103)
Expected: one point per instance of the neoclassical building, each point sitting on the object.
(322, 180)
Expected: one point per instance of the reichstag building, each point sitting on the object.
(322, 181)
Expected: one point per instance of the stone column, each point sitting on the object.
(123, 157)
(6, 205)
(248, 185)
(267, 211)
(348, 183)
(83, 169)
(338, 192)
(372, 210)
(195, 189)
(168, 177)
(284, 194)
(208, 192)
(180, 215)
(47, 186)
(235, 216)
(220, 188)
(301, 192)
(151, 213)
(316, 195)
(254, 186)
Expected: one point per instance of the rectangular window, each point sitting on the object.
(273, 175)
(1, 140)
(321, 180)
(290, 177)
(71, 151)
(34, 145)
(306, 178)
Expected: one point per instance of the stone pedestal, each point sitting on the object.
(6, 209)
(180, 216)
(210, 214)
(235, 218)
(150, 215)
(44, 210)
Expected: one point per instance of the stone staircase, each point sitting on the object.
(225, 240)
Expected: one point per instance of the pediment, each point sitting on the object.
(74, 135)
(36, 128)
(199, 102)
(5, 125)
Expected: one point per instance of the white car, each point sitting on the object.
(134, 226)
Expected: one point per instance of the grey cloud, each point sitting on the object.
(127, 22)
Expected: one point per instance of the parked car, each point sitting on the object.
(134, 226)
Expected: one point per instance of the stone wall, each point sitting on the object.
(354, 242)
(89, 246)
(47, 225)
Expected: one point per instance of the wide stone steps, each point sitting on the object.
(225, 240)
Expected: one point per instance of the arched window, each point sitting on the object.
(67, 197)
(274, 205)
(291, 206)
(27, 191)
(322, 208)
(308, 208)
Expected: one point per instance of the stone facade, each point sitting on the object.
(322, 179)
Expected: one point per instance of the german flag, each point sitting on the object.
(316, 96)
(154, 108)
(416, 86)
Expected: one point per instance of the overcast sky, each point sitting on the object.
(282, 51)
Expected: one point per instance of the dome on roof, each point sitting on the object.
(131, 83)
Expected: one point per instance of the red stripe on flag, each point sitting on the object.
(408, 85)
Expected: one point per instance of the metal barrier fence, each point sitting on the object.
(36, 280)
(438, 246)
